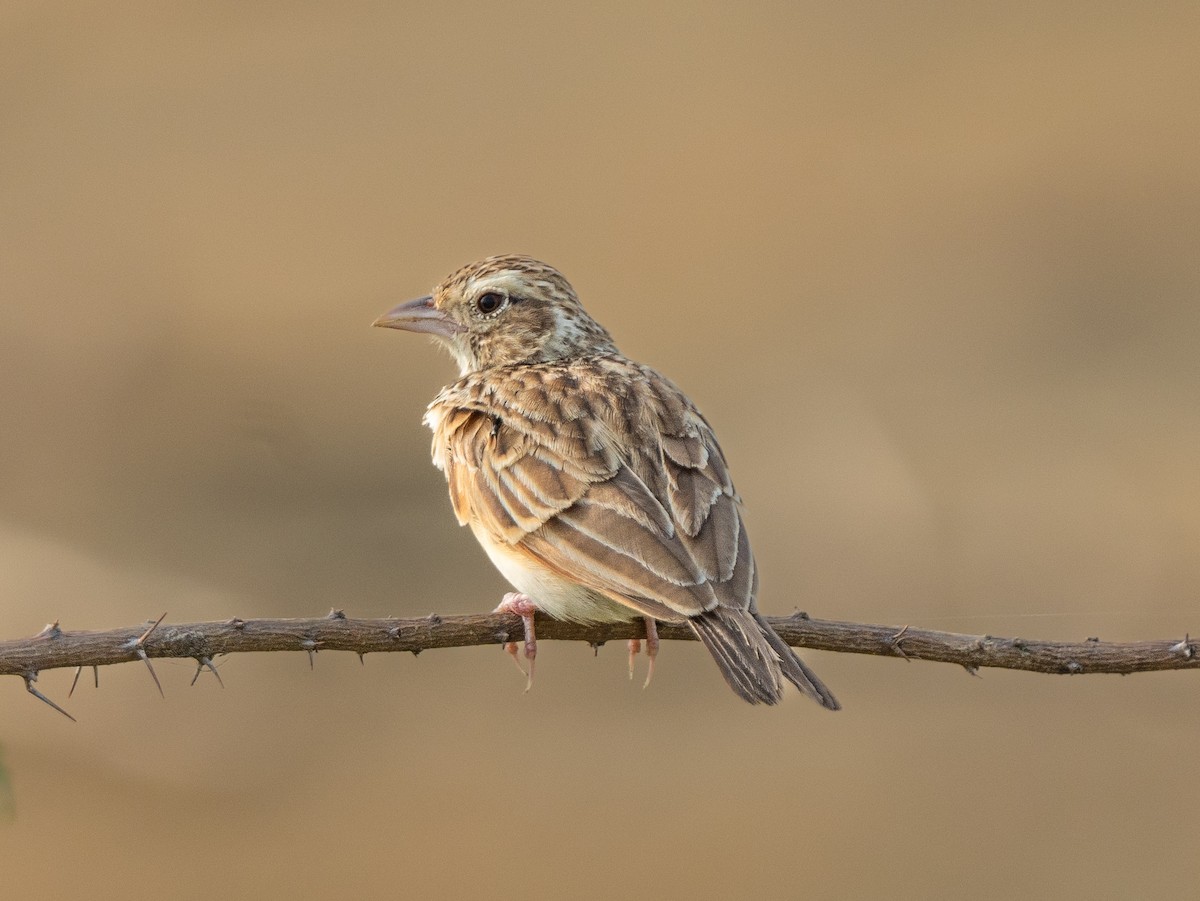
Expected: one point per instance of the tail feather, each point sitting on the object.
(753, 658)
(795, 670)
(746, 660)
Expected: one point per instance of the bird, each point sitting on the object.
(592, 482)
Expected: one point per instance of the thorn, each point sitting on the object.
(153, 675)
(30, 678)
(205, 663)
(895, 640)
(1094, 639)
(434, 619)
(1184, 648)
(335, 613)
(75, 681)
(800, 614)
(595, 646)
(50, 630)
(138, 645)
(1073, 668)
(142, 638)
(311, 646)
(362, 658)
(972, 670)
(416, 652)
(212, 669)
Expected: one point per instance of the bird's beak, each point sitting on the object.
(420, 315)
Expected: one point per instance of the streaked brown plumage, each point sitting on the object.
(593, 483)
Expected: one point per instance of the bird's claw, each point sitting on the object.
(635, 647)
(523, 606)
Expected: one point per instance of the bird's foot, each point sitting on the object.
(523, 606)
(635, 647)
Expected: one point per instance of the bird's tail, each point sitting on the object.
(795, 670)
(753, 658)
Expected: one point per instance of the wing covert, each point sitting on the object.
(639, 508)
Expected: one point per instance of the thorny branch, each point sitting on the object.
(54, 648)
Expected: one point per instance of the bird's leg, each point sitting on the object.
(523, 606)
(651, 648)
(635, 647)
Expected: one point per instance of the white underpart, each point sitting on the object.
(555, 596)
(432, 417)
(460, 349)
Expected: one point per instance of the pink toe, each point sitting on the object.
(520, 604)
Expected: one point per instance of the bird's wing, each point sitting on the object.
(641, 509)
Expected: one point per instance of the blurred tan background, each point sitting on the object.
(930, 269)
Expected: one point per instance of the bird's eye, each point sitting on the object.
(489, 302)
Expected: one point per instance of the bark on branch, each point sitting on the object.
(54, 648)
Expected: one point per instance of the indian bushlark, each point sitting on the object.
(593, 483)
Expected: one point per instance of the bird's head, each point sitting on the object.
(504, 311)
